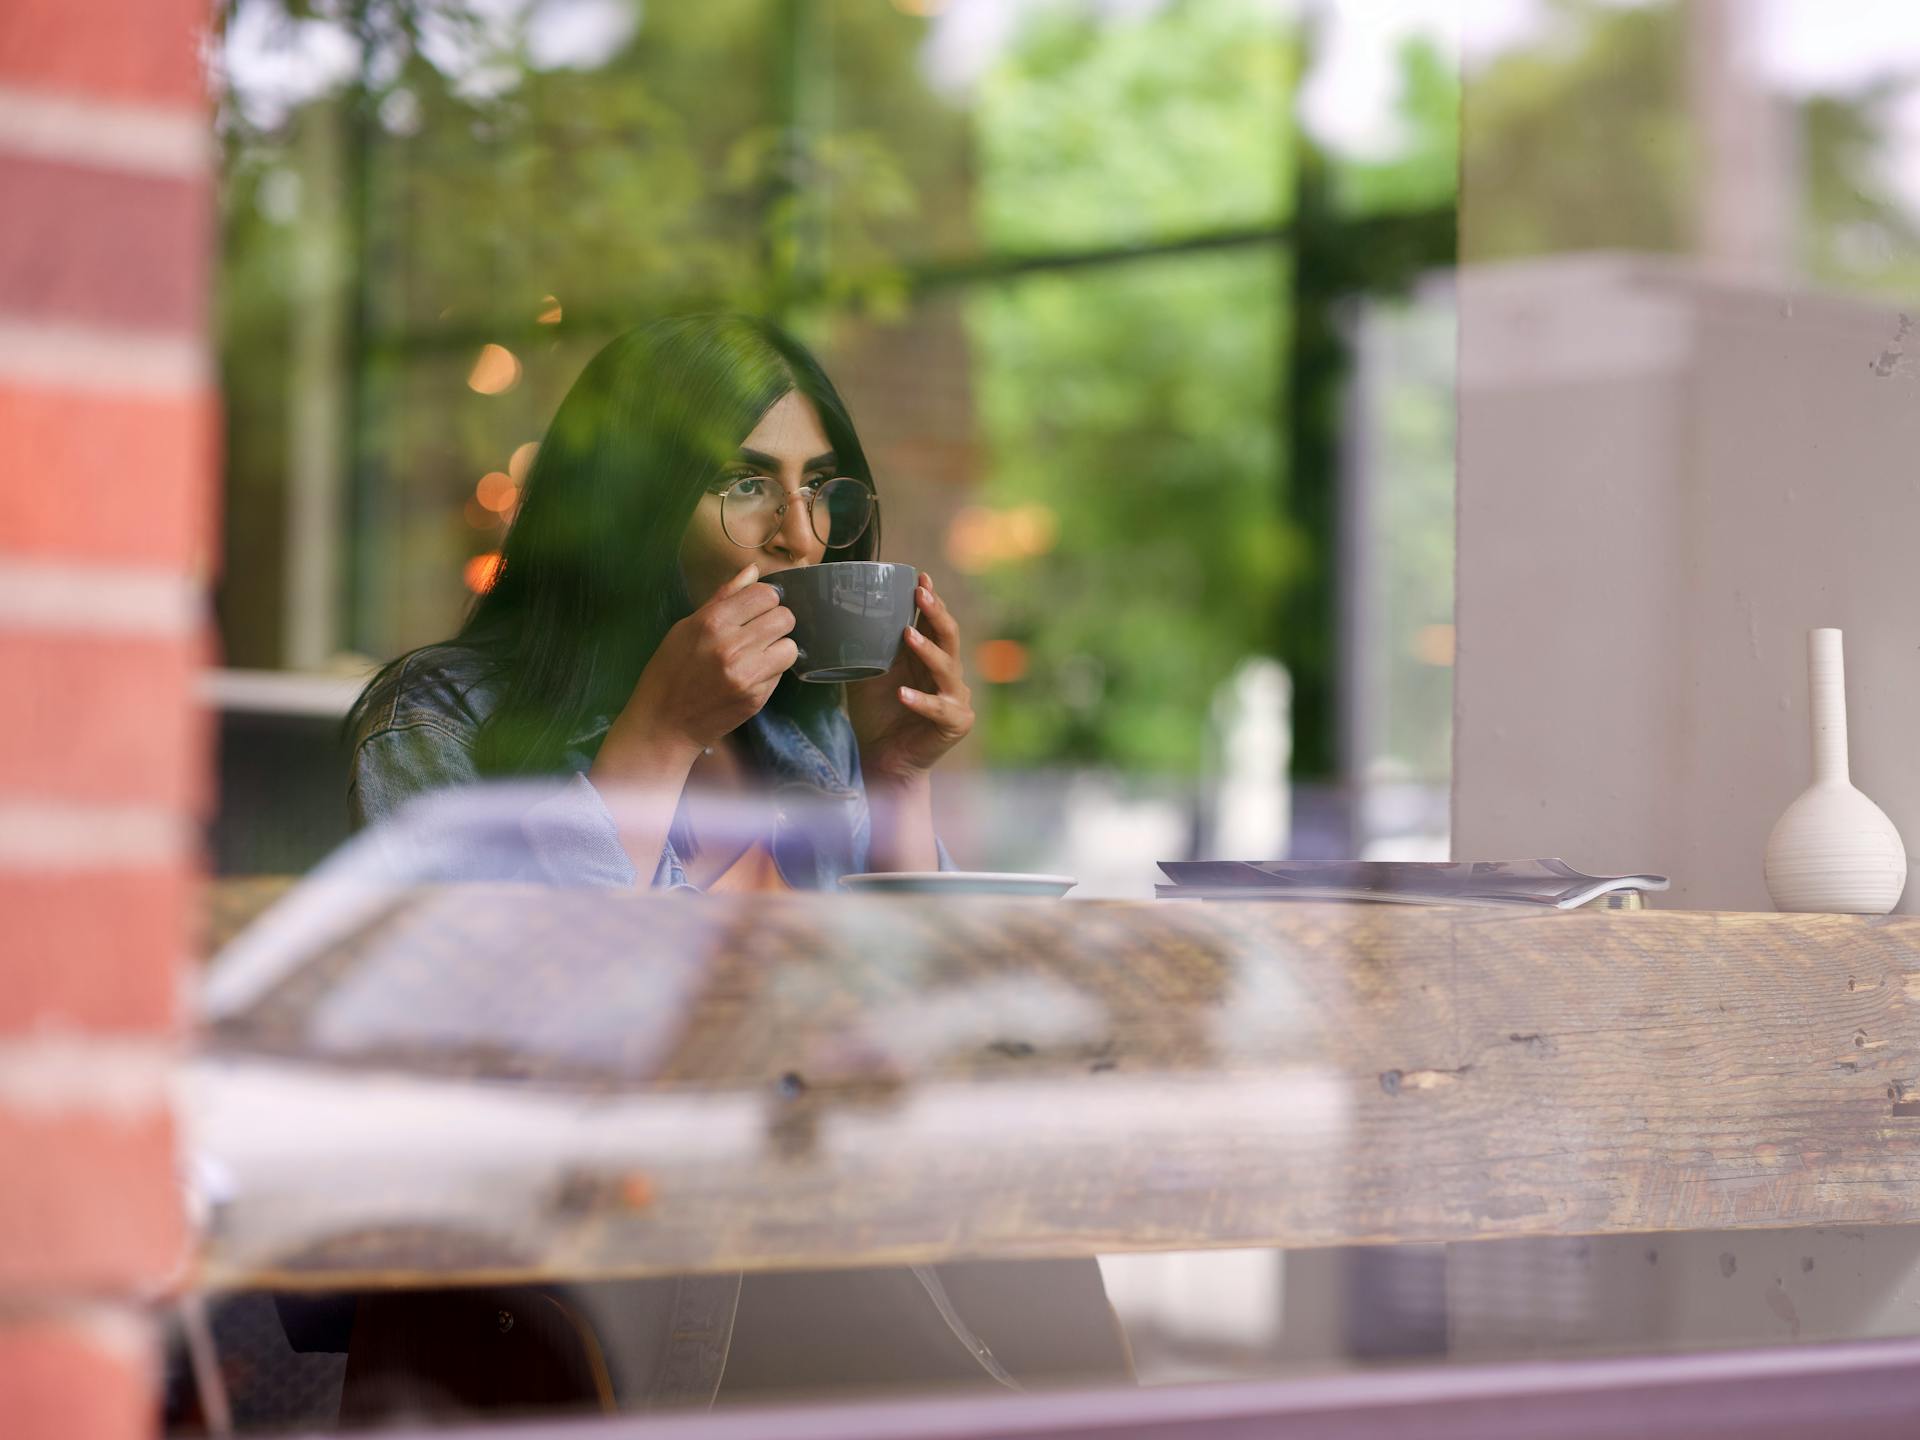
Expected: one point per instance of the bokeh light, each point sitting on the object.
(495, 371)
(482, 571)
(1001, 662)
(522, 461)
(497, 492)
(980, 537)
(1433, 644)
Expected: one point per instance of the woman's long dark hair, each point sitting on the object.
(589, 581)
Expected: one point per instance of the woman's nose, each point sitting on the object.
(795, 541)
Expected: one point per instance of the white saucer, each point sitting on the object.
(959, 882)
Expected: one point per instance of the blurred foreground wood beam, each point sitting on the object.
(491, 1085)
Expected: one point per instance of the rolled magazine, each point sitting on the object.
(1535, 883)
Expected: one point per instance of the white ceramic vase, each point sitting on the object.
(1834, 851)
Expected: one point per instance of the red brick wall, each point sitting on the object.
(106, 439)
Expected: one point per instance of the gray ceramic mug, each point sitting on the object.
(849, 617)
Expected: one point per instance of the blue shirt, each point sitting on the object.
(418, 741)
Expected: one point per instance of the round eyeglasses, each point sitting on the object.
(753, 507)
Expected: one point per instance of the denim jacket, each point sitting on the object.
(419, 738)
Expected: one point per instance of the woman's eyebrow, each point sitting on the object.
(766, 461)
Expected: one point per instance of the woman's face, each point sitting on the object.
(790, 448)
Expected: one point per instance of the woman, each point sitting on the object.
(627, 642)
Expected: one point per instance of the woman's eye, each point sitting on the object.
(748, 487)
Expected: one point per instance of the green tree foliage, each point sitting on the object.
(1423, 173)
(1582, 143)
(1587, 141)
(1094, 131)
(1137, 402)
(1137, 405)
(1853, 233)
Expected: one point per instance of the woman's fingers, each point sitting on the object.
(762, 670)
(739, 582)
(936, 617)
(780, 657)
(935, 642)
(949, 714)
(942, 665)
(766, 626)
(765, 650)
(745, 605)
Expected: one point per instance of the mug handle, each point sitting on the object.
(800, 650)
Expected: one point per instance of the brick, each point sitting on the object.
(144, 51)
(104, 477)
(74, 963)
(89, 1203)
(103, 719)
(61, 1379)
(102, 247)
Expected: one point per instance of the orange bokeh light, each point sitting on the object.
(496, 370)
(1001, 662)
(980, 538)
(482, 571)
(522, 461)
(636, 1190)
(1433, 645)
(497, 492)
(550, 314)
(1031, 530)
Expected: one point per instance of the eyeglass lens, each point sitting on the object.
(752, 508)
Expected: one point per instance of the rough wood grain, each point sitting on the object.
(868, 1081)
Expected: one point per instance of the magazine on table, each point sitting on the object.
(1552, 882)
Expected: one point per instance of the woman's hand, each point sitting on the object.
(908, 718)
(713, 671)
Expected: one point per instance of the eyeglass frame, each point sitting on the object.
(722, 490)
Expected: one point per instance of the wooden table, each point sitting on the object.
(498, 1084)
